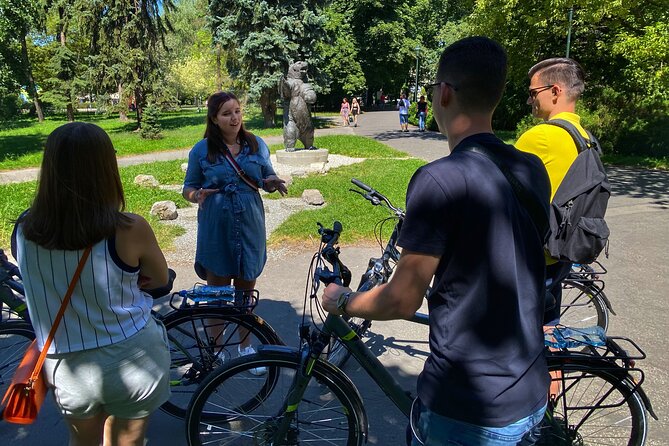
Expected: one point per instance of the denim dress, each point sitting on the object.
(231, 238)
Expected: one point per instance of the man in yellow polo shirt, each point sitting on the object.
(555, 86)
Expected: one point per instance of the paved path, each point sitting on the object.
(636, 284)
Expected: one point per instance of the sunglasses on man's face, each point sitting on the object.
(535, 91)
(429, 88)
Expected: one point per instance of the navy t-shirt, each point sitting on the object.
(486, 363)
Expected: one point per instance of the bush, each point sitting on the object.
(150, 125)
(10, 106)
(641, 134)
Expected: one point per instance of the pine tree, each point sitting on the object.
(150, 125)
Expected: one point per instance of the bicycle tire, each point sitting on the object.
(15, 338)
(583, 305)
(596, 405)
(234, 407)
(338, 354)
(200, 340)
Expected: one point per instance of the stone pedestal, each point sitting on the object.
(302, 157)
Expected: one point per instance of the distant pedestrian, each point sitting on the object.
(422, 113)
(344, 111)
(355, 110)
(403, 107)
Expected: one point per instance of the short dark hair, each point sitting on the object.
(79, 196)
(563, 71)
(213, 134)
(476, 67)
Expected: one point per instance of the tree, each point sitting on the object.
(262, 38)
(621, 45)
(125, 37)
(17, 19)
(193, 68)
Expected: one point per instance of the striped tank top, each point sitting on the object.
(106, 307)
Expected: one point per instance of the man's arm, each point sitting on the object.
(398, 299)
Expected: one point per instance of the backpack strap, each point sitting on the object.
(582, 144)
(530, 202)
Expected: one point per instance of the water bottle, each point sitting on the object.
(212, 293)
(568, 337)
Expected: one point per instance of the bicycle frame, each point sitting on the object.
(310, 352)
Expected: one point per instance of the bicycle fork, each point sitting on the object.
(312, 347)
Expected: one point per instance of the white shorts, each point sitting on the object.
(129, 379)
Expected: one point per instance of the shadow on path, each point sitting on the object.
(640, 183)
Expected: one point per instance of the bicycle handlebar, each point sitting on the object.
(340, 274)
(375, 197)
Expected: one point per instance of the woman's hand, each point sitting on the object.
(198, 195)
(274, 183)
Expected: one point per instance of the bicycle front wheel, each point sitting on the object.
(200, 341)
(595, 405)
(15, 338)
(583, 305)
(235, 407)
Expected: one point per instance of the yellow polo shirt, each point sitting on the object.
(555, 147)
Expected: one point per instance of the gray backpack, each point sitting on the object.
(578, 232)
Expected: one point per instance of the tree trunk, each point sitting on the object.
(139, 101)
(219, 75)
(63, 40)
(32, 89)
(122, 115)
(268, 106)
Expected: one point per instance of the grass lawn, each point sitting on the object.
(357, 215)
(15, 198)
(383, 170)
(22, 141)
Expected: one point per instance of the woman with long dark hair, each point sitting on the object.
(225, 172)
(109, 360)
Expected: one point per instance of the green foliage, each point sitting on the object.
(263, 38)
(342, 73)
(623, 47)
(150, 122)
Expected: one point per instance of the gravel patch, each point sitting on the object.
(276, 212)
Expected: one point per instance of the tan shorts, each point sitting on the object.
(129, 379)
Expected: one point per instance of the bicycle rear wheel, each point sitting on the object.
(596, 405)
(583, 305)
(200, 341)
(234, 407)
(15, 337)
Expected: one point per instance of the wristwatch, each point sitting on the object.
(342, 301)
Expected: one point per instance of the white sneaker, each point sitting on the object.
(258, 371)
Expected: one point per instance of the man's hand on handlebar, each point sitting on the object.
(331, 296)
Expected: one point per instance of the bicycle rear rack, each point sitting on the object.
(191, 299)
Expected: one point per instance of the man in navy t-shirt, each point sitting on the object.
(485, 382)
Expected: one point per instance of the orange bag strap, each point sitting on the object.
(66, 300)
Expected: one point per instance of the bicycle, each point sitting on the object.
(304, 398)
(583, 300)
(202, 333)
(583, 303)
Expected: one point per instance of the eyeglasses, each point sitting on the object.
(535, 91)
(430, 87)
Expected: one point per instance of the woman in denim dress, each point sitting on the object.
(231, 219)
